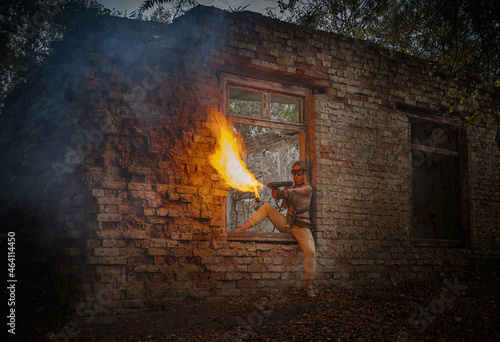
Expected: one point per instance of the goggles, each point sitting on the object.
(299, 172)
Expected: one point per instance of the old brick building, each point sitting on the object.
(107, 184)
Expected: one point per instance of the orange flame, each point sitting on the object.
(227, 158)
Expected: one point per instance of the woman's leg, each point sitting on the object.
(306, 243)
(267, 211)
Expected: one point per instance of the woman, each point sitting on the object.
(297, 200)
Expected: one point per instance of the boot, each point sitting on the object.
(309, 291)
(239, 229)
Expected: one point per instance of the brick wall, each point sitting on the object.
(138, 207)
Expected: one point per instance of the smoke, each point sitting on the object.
(110, 81)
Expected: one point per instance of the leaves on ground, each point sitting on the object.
(414, 311)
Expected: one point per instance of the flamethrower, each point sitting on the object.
(276, 186)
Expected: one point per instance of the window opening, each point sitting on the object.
(270, 154)
(270, 118)
(285, 108)
(436, 183)
(244, 102)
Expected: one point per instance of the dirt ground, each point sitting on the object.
(465, 309)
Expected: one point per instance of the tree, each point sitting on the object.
(464, 33)
(27, 28)
(175, 7)
(458, 35)
(346, 17)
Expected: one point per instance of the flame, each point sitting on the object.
(227, 158)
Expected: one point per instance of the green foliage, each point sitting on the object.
(174, 7)
(27, 28)
(160, 14)
(460, 36)
(285, 112)
(346, 17)
(238, 9)
(247, 108)
(279, 111)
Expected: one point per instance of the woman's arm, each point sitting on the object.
(302, 191)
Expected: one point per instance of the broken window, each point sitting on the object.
(270, 117)
(437, 196)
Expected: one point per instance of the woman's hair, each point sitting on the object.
(303, 166)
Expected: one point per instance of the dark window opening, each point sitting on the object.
(437, 181)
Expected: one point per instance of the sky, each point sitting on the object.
(131, 5)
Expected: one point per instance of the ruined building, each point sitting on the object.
(107, 184)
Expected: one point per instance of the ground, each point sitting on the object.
(464, 309)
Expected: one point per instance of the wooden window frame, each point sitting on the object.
(266, 88)
(461, 153)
